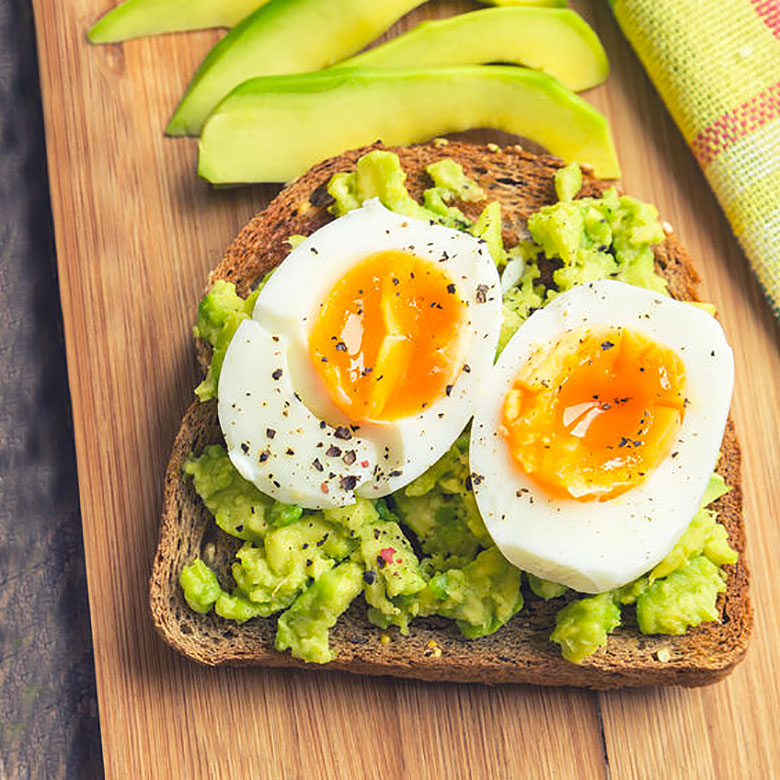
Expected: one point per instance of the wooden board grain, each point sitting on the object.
(136, 234)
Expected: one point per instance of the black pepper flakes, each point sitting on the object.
(348, 483)
(343, 433)
(482, 291)
(264, 455)
(333, 451)
(349, 457)
(369, 577)
(451, 289)
(270, 433)
(341, 346)
(317, 465)
(277, 374)
(244, 447)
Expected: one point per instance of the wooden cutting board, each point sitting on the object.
(136, 234)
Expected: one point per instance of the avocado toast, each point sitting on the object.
(435, 650)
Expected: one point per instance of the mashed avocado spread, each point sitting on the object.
(424, 550)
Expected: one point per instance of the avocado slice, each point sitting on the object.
(283, 36)
(556, 41)
(135, 18)
(274, 128)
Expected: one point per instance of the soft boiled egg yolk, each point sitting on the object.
(591, 416)
(388, 341)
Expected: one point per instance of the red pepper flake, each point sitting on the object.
(324, 488)
(364, 464)
(387, 554)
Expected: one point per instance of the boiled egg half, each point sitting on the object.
(598, 431)
(359, 366)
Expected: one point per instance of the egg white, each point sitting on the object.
(596, 546)
(268, 383)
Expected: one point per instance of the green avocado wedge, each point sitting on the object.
(271, 129)
(283, 36)
(136, 18)
(555, 41)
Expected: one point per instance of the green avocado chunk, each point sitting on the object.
(545, 589)
(379, 174)
(303, 628)
(685, 598)
(609, 237)
(242, 139)
(200, 585)
(283, 36)
(582, 626)
(220, 312)
(239, 508)
(135, 18)
(391, 565)
(488, 228)
(705, 535)
(480, 597)
(236, 606)
(440, 508)
(273, 574)
(554, 41)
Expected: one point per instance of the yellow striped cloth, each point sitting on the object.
(716, 64)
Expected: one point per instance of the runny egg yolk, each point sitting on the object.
(388, 341)
(590, 417)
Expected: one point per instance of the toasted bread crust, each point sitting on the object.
(518, 652)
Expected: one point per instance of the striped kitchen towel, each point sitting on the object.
(716, 64)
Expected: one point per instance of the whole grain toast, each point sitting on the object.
(435, 650)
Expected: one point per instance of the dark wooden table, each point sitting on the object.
(48, 710)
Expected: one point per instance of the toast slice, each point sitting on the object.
(435, 650)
